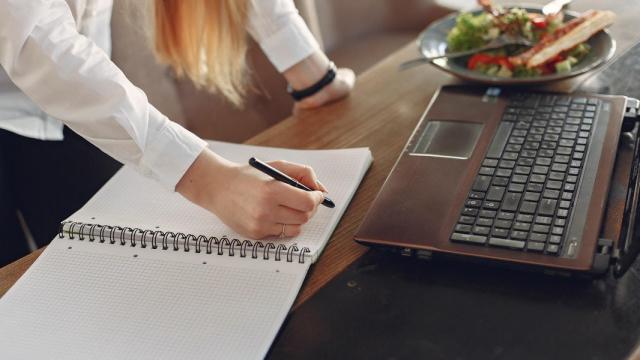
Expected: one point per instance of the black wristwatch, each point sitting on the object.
(298, 95)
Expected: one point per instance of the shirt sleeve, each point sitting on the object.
(71, 78)
(281, 32)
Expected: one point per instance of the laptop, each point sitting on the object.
(514, 177)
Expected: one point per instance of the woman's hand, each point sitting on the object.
(248, 201)
(339, 88)
(308, 71)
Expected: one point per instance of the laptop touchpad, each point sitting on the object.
(450, 139)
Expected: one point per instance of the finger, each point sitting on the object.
(295, 198)
(302, 173)
(347, 76)
(290, 230)
(287, 215)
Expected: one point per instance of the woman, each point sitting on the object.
(56, 70)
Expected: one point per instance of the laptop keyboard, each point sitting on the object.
(523, 194)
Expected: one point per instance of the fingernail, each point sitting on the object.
(321, 186)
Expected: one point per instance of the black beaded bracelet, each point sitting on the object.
(298, 95)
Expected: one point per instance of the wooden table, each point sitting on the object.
(380, 114)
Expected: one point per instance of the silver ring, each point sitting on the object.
(284, 228)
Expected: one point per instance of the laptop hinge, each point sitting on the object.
(602, 259)
(629, 244)
(631, 114)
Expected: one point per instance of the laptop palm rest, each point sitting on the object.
(447, 139)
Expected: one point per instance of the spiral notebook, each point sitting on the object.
(141, 273)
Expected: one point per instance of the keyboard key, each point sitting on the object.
(468, 238)
(545, 220)
(551, 194)
(499, 140)
(481, 183)
(488, 214)
(552, 249)
(555, 239)
(511, 201)
(506, 243)
(504, 224)
(476, 195)
(557, 230)
(469, 211)
(534, 187)
(541, 169)
(490, 162)
(521, 226)
(524, 161)
(524, 218)
(473, 203)
(516, 187)
(524, 170)
(507, 164)
(495, 193)
(522, 179)
(528, 207)
(555, 185)
(486, 171)
(543, 161)
(535, 246)
(468, 220)
(463, 228)
(505, 215)
(547, 207)
(538, 178)
(519, 235)
(554, 175)
(503, 173)
(540, 228)
(531, 196)
(481, 230)
(497, 232)
(538, 237)
(500, 181)
(484, 222)
(491, 205)
(562, 213)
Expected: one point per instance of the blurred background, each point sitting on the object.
(355, 34)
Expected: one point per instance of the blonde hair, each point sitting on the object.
(206, 41)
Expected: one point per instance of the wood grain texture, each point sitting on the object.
(380, 114)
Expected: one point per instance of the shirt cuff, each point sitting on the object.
(170, 152)
(290, 45)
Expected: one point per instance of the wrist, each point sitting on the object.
(206, 173)
(308, 71)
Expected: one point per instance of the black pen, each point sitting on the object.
(280, 176)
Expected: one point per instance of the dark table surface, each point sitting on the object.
(391, 307)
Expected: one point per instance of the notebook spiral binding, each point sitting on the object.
(170, 240)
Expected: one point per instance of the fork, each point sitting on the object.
(501, 41)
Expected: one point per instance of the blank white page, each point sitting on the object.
(129, 199)
(83, 300)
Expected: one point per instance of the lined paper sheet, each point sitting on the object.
(83, 300)
(132, 200)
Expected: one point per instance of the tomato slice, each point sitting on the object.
(539, 22)
(479, 59)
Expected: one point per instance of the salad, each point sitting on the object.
(557, 46)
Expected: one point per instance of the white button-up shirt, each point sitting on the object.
(55, 70)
